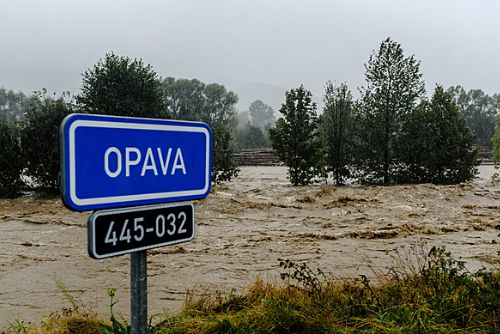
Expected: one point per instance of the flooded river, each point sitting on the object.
(243, 227)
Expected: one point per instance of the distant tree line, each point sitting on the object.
(392, 133)
(252, 127)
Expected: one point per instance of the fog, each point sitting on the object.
(258, 48)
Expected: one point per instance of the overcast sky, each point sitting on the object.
(49, 43)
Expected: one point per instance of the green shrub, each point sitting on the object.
(40, 141)
(11, 159)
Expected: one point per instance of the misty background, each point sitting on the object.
(258, 48)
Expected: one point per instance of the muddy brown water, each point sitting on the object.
(243, 227)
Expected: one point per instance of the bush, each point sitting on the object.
(11, 159)
(40, 141)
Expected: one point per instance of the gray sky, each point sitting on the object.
(49, 43)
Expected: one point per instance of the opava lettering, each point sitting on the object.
(131, 160)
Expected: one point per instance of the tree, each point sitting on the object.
(13, 105)
(436, 145)
(261, 114)
(295, 137)
(212, 104)
(40, 140)
(496, 141)
(393, 86)
(184, 98)
(121, 86)
(479, 110)
(250, 137)
(11, 159)
(338, 129)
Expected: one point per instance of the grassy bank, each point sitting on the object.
(435, 295)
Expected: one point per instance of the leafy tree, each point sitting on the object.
(393, 86)
(496, 141)
(121, 86)
(11, 159)
(261, 114)
(13, 105)
(40, 140)
(212, 104)
(295, 137)
(479, 110)
(250, 137)
(337, 125)
(436, 144)
(242, 119)
(184, 98)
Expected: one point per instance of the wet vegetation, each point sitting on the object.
(433, 294)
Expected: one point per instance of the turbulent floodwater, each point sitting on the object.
(243, 227)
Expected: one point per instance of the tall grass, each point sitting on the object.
(435, 295)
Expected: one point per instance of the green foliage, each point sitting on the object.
(121, 86)
(436, 144)
(193, 100)
(11, 159)
(479, 110)
(40, 140)
(184, 98)
(116, 326)
(495, 140)
(250, 137)
(337, 128)
(393, 87)
(13, 105)
(262, 115)
(223, 166)
(295, 137)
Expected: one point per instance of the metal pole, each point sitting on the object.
(138, 292)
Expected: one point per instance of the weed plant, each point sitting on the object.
(435, 294)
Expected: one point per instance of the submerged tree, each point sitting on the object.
(295, 137)
(436, 145)
(337, 129)
(496, 141)
(393, 87)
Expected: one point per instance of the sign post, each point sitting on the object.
(137, 174)
(139, 292)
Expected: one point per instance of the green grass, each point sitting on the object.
(440, 296)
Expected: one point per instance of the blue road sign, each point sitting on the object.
(109, 162)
